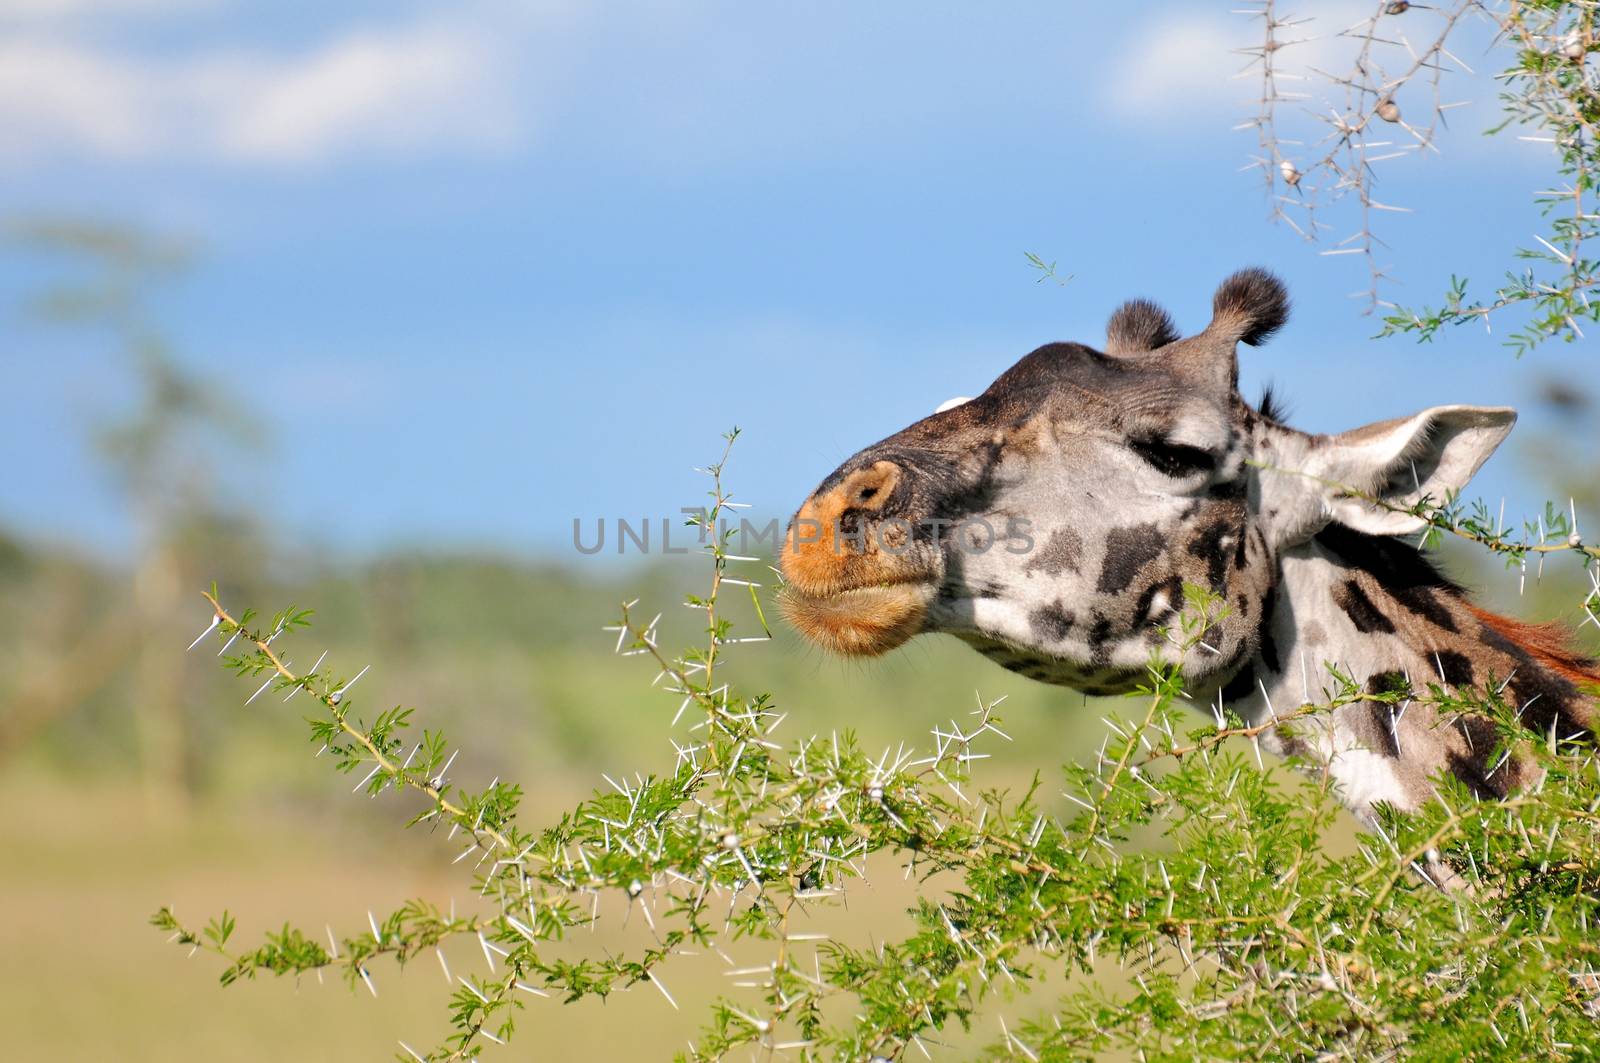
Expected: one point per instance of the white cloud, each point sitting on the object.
(398, 91)
(52, 94)
(394, 90)
(1181, 65)
(16, 10)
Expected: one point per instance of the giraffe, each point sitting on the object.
(1052, 522)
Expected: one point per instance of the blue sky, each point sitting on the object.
(485, 268)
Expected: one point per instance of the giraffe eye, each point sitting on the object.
(1173, 459)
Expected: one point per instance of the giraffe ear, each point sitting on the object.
(1431, 454)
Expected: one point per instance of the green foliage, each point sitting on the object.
(1178, 855)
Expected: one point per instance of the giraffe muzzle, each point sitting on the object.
(854, 582)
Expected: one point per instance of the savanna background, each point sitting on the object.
(360, 307)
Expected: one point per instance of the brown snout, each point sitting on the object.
(849, 586)
(828, 540)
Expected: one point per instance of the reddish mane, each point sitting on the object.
(1550, 644)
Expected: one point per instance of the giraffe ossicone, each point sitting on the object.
(1119, 476)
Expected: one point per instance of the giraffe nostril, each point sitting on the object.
(870, 488)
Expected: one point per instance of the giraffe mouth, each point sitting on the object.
(860, 621)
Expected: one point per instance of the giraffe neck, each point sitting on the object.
(1380, 613)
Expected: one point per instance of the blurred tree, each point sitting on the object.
(156, 448)
(1562, 454)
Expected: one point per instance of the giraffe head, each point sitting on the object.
(1053, 520)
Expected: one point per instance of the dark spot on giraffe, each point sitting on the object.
(1369, 725)
(1424, 601)
(1359, 608)
(1051, 622)
(1380, 735)
(1062, 553)
(1127, 551)
(1241, 686)
(1454, 668)
(1481, 766)
(1382, 714)
(1207, 545)
(1099, 636)
(1269, 645)
(1388, 683)
(1479, 732)
(1543, 697)
(1496, 641)
(1142, 612)
(1393, 564)
(1539, 694)
(1475, 775)
(1228, 490)
(987, 588)
(1269, 650)
(1294, 747)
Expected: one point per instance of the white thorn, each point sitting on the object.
(658, 985)
(259, 689)
(215, 620)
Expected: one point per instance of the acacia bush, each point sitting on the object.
(1239, 933)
